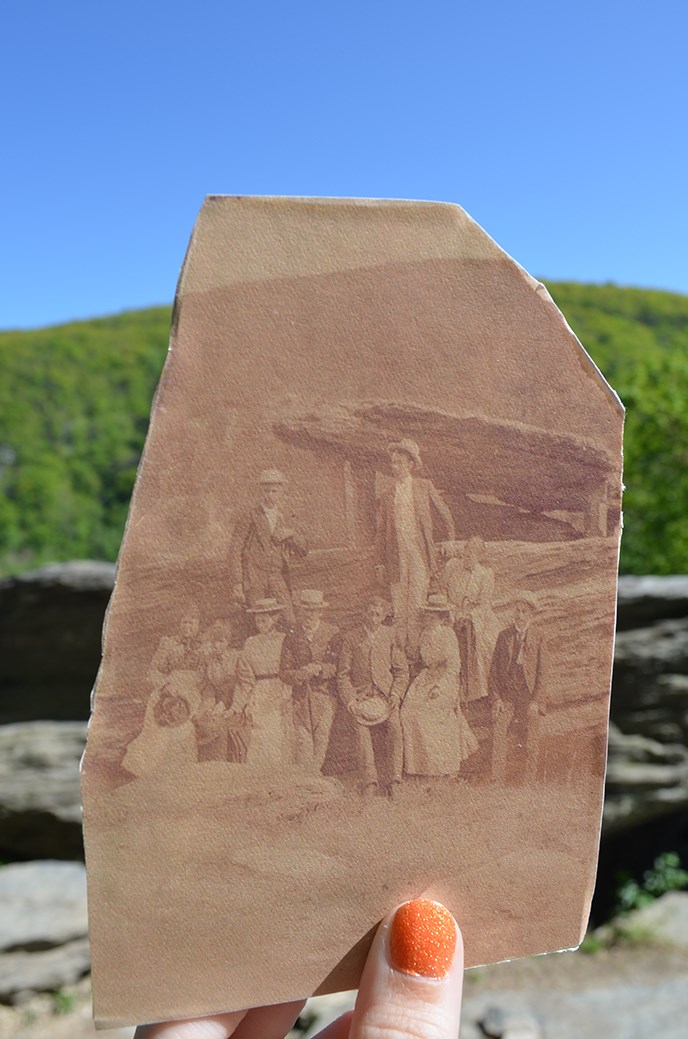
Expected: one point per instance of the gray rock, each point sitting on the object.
(644, 600)
(42, 904)
(50, 635)
(616, 1008)
(40, 808)
(509, 1023)
(23, 973)
(666, 919)
(320, 1011)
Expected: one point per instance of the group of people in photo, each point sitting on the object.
(396, 697)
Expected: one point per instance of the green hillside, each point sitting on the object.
(74, 403)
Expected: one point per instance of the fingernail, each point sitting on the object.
(422, 939)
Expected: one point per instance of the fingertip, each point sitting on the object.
(424, 939)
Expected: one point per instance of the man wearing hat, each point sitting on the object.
(405, 547)
(372, 679)
(263, 546)
(516, 693)
(308, 663)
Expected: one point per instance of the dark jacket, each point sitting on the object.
(297, 651)
(516, 671)
(254, 548)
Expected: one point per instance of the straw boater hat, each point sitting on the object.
(372, 710)
(272, 476)
(437, 604)
(407, 447)
(311, 599)
(265, 606)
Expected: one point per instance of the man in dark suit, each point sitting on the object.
(263, 546)
(405, 546)
(516, 695)
(372, 679)
(308, 663)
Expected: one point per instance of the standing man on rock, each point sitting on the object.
(263, 546)
(372, 678)
(516, 695)
(310, 654)
(405, 547)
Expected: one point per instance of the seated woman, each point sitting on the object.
(436, 736)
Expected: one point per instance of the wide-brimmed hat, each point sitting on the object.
(437, 604)
(407, 447)
(372, 710)
(272, 476)
(311, 599)
(265, 606)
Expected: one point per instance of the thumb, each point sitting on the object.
(411, 984)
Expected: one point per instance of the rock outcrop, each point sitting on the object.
(43, 928)
(50, 628)
(40, 808)
(50, 650)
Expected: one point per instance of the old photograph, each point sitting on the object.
(364, 611)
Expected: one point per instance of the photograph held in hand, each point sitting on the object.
(359, 647)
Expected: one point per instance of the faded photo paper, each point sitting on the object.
(359, 648)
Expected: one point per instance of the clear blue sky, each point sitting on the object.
(561, 128)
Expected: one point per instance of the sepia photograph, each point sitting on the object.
(363, 615)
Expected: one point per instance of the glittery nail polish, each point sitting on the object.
(422, 939)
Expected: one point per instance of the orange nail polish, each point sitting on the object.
(422, 939)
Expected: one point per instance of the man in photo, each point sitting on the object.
(308, 664)
(516, 694)
(405, 547)
(264, 543)
(372, 678)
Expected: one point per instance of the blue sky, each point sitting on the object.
(561, 128)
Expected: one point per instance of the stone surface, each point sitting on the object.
(666, 919)
(42, 904)
(22, 973)
(645, 600)
(648, 745)
(40, 813)
(50, 632)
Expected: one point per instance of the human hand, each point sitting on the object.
(410, 988)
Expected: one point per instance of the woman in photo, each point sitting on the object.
(260, 696)
(436, 735)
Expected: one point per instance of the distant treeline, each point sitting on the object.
(75, 399)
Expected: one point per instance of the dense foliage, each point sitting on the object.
(639, 338)
(74, 404)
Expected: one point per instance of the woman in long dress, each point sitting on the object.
(261, 696)
(437, 737)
